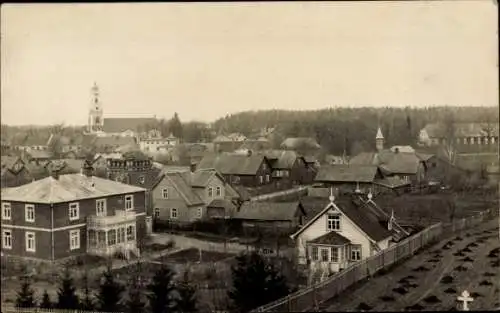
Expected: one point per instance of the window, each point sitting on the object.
(7, 239)
(218, 191)
(164, 193)
(210, 192)
(74, 239)
(111, 237)
(141, 180)
(356, 253)
(333, 222)
(74, 211)
(29, 213)
(173, 213)
(261, 179)
(157, 212)
(30, 242)
(314, 253)
(267, 251)
(334, 257)
(129, 202)
(324, 254)
(199, 213)
(100, 207)
(130, 232)
(120, 235)
(6, 211)
(268, 178)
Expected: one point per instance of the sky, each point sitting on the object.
(207, 60)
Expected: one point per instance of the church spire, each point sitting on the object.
(379, 140)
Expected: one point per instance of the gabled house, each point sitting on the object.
(173, 200)
(288, 167)
(466, 135)
(249, 170)
(270, 217)
(64, 216)
(14, 172)
(392, 162)
(341, 233)
(348, 178)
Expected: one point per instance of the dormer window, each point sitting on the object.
(333, 222)
(141, 180)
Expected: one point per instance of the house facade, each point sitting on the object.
(339, 234)
(69, 215)
(288, 168)
(464, 134)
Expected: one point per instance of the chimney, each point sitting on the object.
(88, 169)
(192, 167)
(249, 152)
(55, 173)
(396, 150)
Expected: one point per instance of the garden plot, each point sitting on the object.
(433, 279)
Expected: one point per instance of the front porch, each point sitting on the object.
(109, 235)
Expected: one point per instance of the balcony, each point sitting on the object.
(104, 222)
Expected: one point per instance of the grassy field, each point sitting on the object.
(433, 279)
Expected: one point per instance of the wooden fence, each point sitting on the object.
(310, 297)
(7, 309)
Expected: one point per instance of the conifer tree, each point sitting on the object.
(255, 276)
(46, 302)
(161, 291)
(110, 292)
(26, 295)
(67, 297)
(135, 302)
(186, 301)
(87, 302)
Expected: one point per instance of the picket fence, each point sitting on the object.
(6, 309)
(310, 297)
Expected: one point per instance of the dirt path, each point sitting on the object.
(417, 284)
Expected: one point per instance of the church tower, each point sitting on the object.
(95, 112)
(379, 140)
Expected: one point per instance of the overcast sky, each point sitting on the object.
(205, 60)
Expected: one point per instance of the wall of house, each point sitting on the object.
(42, 242)
(88, 207)
(175, 200)
(213, 183)
(61, 243)
(347, 229)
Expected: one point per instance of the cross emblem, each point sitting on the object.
(465, 298)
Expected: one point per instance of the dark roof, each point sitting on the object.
(300, 142)
(201, 178)
(424, 156)
(332, 239)
(346, 173)
(369, 225)
(269, 211)
(232, 164)
(9, 161)
(281, 159)
(388, 161)
(150, 177)
(118, 125)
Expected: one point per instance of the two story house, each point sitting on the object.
(288, 167)
(185, 196)
(340, 233)
(250, 170)
(69, 215)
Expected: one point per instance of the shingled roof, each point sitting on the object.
(388, 161)
(347, 173)
(119, 125)
(70, 187)
(232, 164)
(201, 178)
(370, 226)
(269, 211)
(281, 159)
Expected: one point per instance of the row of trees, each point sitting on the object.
(255, 282)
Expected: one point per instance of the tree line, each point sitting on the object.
(255, 281)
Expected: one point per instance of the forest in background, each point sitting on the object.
(338, 130)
